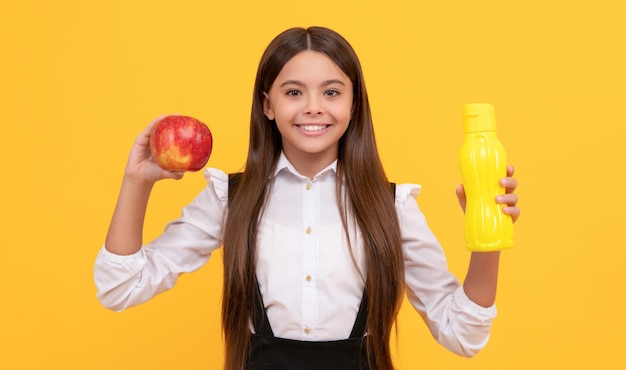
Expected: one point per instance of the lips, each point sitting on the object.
(313, 128)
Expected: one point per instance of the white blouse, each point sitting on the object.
(310, 285)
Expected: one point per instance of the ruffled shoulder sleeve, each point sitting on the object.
(219, 179)
(403, 191)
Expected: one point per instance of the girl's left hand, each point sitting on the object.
(509, 198)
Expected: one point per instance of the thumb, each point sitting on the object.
(460, 194)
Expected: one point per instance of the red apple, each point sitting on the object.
(181, 143)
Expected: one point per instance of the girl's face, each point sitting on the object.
(311, 102)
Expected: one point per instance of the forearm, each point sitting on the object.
(482, 278)
(125, 231)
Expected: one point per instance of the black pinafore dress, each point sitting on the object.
(270, 352)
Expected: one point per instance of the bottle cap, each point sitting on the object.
(479, 117)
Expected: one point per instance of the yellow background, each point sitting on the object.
(80, 79)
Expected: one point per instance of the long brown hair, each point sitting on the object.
(367, 198)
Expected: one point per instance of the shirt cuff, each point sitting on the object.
(136, 258)
(470, 307)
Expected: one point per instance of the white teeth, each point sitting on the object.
(312, 128)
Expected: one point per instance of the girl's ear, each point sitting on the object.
(267, 107)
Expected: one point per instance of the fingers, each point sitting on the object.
(509, 183)
(510, 171)
(509, 199)
(514, 212)
(174, 175)
(152, 173)
(140, 162)
(510, 202)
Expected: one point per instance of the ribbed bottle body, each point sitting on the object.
(483, 163)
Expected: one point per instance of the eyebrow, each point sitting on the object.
(300, 83)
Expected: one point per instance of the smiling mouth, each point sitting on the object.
(313, 128)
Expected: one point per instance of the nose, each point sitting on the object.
(313, 106)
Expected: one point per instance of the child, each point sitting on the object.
(319, 248)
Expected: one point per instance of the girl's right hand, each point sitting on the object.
(140, 165)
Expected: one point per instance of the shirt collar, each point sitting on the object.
(284, 164)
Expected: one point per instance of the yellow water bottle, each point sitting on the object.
(483, 163)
